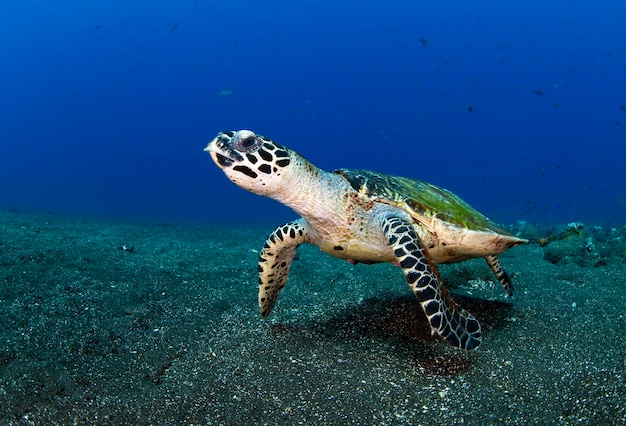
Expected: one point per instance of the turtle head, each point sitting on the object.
(251, 161)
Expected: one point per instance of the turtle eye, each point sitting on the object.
(247, 144)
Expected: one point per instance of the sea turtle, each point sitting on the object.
(368, 217)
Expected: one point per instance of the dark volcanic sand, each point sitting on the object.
(171, 333)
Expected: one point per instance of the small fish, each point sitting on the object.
(425, 42)
(470, 108)
(538, 92)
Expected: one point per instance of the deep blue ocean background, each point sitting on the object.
(518, 107)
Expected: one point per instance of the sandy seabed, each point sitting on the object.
(169, 332)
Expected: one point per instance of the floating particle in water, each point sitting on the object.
(425, 42)
(470, 108)
(622, 107)
(538, 92)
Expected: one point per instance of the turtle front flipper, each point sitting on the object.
(500, 273)
(448, 320)
(275, 260)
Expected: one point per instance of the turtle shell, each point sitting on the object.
(420, 199)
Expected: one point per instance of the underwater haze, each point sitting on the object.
(129, 263)
(518, 107)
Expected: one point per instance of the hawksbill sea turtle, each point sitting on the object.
(369, 217)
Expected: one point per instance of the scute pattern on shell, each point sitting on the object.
(419, 199)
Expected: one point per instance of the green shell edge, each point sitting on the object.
(419, 198)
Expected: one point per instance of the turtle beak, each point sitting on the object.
(221, 151)
(218, 156)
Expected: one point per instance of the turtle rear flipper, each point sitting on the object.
(448, 320)
(275, 260)
(500, 273)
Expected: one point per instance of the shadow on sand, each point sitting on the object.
(399, 326)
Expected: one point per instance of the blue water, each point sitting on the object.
(520, 108)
